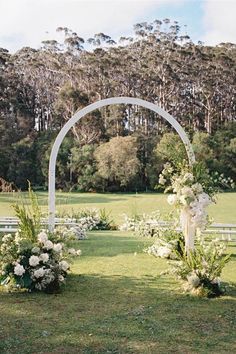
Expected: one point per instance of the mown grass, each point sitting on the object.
(118, 204)
(116, 301)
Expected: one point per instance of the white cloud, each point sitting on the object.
(219, 21)
(28, 22)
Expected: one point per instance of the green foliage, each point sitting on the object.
(202, 267)
(22, 162)
(123, 291)
(41, 89)
(29, 217)
(117, 160)
(105, 221)
(201, 146)
(171, 149)
(84, 169)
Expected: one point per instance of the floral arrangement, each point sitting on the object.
(193, 190)
(200, 270)
(34, 265)
(32, 258)
(90, 219)
(167, 243)
(188, 193)
(143, 225)
(199, 264)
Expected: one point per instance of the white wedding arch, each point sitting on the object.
(80, 114)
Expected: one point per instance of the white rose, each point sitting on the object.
(39, 273)
(172, 199)
(78, 252)
(44, 257)
(204, 199)
(188, 177)
(19, 269)
(48, 245)
(57, 247)
(34, 261)
(72, 251)
(42, 237)
(64, 265)
(163, 252)
(187, 192)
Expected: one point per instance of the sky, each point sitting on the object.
(28, 22)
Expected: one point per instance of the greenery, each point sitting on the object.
(33, 259)
(201, 268)
(117, 160)
(119, 204)
(116, 301)
(29, 218)
(90, 218)
(40, 89)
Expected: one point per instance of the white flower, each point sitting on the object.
(48, 245)
(163, 252)
(183, 200)
(204, 199)
(197, 188)
(78, 252)
(44, 257)
(19, 269)
(193, 280)
(42, 237)
(39, 273)
(64, 265)
(188, 177)
(187, 192)
(57, 247)
(216, 281)
(35, 250)
(72, 251)
(7, 238)
(162, 180)
(61, 278)
(34, 261)
(172, 199)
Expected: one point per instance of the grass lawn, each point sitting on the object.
(116, 301)
(120, 203)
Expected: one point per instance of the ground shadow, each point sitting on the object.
(116, 314)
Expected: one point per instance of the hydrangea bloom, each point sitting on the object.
(48, 245)
(44, 257)
(19, 269)
(39, 273)
(42, 237)
(34, 261)
(64, 265)
(57, 247)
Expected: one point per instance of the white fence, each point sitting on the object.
(227, 232)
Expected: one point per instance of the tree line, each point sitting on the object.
(41, 89)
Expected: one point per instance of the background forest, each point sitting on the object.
(117, 148)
